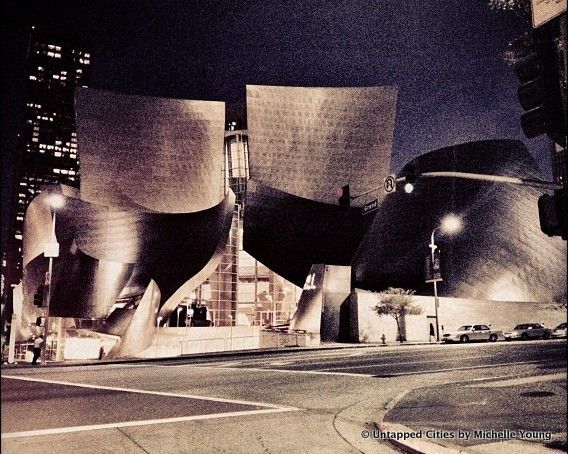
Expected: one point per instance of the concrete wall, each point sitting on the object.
(319, 307)
(176, 341)
(366, 326)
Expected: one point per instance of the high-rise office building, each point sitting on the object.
(47, 142)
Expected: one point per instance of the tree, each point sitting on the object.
(397, 303)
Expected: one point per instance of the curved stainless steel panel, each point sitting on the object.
(500, 254)
(309, 141)
(147, 153)
(289, 234)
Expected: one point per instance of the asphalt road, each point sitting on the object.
(301, 402)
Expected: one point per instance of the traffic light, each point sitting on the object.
(344, 196)
(553, 213)
(410, 172)
(534, 58)
(38, 296)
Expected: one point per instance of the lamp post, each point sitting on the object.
(51, 250)
(158, 321)
(450, 224)
(178, 311)
(231, 333)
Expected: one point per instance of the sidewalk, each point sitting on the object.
(251, 352)
(493, 416)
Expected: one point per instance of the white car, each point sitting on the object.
(526, 331)
(559, 331)
(473, 332)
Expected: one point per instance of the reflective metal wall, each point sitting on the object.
(500, 253)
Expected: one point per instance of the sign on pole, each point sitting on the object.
(389, 184)
(545, 10)
(433, 271)
(369, 207)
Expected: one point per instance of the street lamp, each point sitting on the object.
(178, 311)
(451, 223)
(158, 321)
(231, 333)
(51, 250)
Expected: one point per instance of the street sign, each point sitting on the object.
(544, 11)
(51, 249)
(369, 207)
(433, 273)
(389, 184)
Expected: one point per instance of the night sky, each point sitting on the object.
(443, 55)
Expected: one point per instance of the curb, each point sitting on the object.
(415, 446)
(250, 352)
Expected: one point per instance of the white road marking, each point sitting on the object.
(60, 430)
(281, 363)
(335, 370)
(439, 360)
(483, 366)
(521, 381)
(156, 393)
(288, 371)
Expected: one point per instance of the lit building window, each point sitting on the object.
(33, 78)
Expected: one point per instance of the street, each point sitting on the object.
(310, 401)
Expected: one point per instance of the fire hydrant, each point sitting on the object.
(383, 338)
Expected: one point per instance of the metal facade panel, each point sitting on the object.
(500, 253)
(308, 141)
(147, 153)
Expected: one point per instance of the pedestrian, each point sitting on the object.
(38, 343)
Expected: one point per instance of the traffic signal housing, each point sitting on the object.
(38, 296)
(344, 196)
(410, 172)
(553, 213)
(534, 58)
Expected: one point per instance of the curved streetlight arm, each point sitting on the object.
(432, 244)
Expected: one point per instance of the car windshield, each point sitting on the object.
(464, 328)
(561, 326)
(520, 327)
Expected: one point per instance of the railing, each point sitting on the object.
(216, 344)
(21, 350)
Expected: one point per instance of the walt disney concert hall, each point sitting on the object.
(163, 207)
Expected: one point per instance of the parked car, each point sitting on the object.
(473, 332)
(526, 331)
(559, 331)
